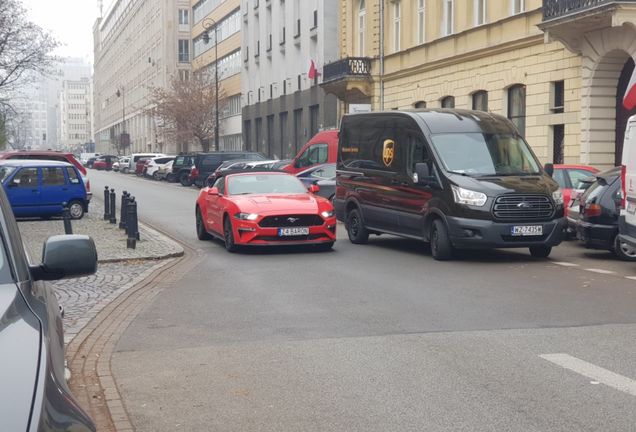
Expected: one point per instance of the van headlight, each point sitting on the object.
(557, 196)
(468, 197)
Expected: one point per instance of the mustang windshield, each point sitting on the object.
(264, 184)
(480, 154)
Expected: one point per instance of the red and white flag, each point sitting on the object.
(629, 100)
(313, 71)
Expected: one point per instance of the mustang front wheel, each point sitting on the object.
(202, 234)
(228, 233)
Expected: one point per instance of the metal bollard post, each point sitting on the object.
(131, 224)
(122, 210)
(113, 208)
(106, 204)
(66, 217)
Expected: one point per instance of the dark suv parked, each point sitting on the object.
(206, 163)
(33, 389)
(454, 178)
(181, 169)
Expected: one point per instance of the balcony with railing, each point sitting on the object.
(568, 20)
(348, 75)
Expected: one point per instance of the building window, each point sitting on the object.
(232, 106)
(314, 110)
(184, 16)
(558, 151)
(362, 20)
(184, 51)
(517, 107)
(479, 12)
(397, 12)
(421, 21)
(247, 130)
(517, 6)
(558, 96)
(419, 104)
(447, 17)
(228, 26)
(448, 102)
(480, 100)
(298, 130)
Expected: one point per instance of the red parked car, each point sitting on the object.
(105, 162)
(264, 208)
(568, 177)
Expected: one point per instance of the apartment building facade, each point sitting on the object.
(222, 19)
(493, 55)
(285, 44)
(75, 108)
(139, 45)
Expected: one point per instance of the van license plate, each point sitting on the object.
(527, 230)
(284, 232)
(631, 207)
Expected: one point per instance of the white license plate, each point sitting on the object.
(631, 207)
(527, 230)
(296, 231)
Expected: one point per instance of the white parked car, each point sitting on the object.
(155, 164)
(121, 164)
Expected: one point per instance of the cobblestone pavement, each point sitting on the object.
(109, 239)
(119, 268)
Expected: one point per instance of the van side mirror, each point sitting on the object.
(423, 175)
(66, 256)
(549, 169)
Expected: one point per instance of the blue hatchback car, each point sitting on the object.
(39, 188)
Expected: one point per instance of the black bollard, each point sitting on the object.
(66, 217)
(106, 203)
(113, 208)
(122, 210)
(131, 224)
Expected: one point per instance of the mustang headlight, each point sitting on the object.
(246, 216)
(557, 196)
(327, 214)
(465, 196)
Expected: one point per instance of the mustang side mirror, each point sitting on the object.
(314, 188)
(66, 256)
(549, 169)
(213, 191)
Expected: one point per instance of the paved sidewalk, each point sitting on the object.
(119, 268)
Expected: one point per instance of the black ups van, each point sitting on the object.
(457, 179)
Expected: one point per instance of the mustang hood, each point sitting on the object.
(19, 355)
(277, 203)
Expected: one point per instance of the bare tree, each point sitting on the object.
(25, 50)
(186, 110)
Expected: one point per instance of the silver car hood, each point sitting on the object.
(19, 358)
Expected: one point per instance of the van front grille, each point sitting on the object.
(523, 207)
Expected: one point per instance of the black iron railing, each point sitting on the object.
(558, 8)
(350, 66)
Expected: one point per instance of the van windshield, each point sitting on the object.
(480, 154)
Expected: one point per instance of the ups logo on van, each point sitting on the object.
(388, 152)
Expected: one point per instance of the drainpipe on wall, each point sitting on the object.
(381, 55)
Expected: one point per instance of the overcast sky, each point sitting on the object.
(70, 21)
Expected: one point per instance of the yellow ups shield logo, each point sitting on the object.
(388, 152)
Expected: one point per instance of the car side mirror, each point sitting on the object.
(549, 169)
(314, 188)
(423, 175)
(66, 256)
(213, 191)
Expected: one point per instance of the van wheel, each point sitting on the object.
(76, 209)
(358, 234)
(540, 251)
(624, 251)
(441, 246)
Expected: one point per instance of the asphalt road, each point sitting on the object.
(378, 337)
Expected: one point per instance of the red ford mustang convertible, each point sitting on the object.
(263, 209)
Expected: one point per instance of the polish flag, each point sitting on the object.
(629, 100)
(313, 71)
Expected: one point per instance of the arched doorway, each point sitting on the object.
(622, 114)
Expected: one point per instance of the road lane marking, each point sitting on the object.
(630, 277)
(565, 264)
(593, 372)
(601, 271)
